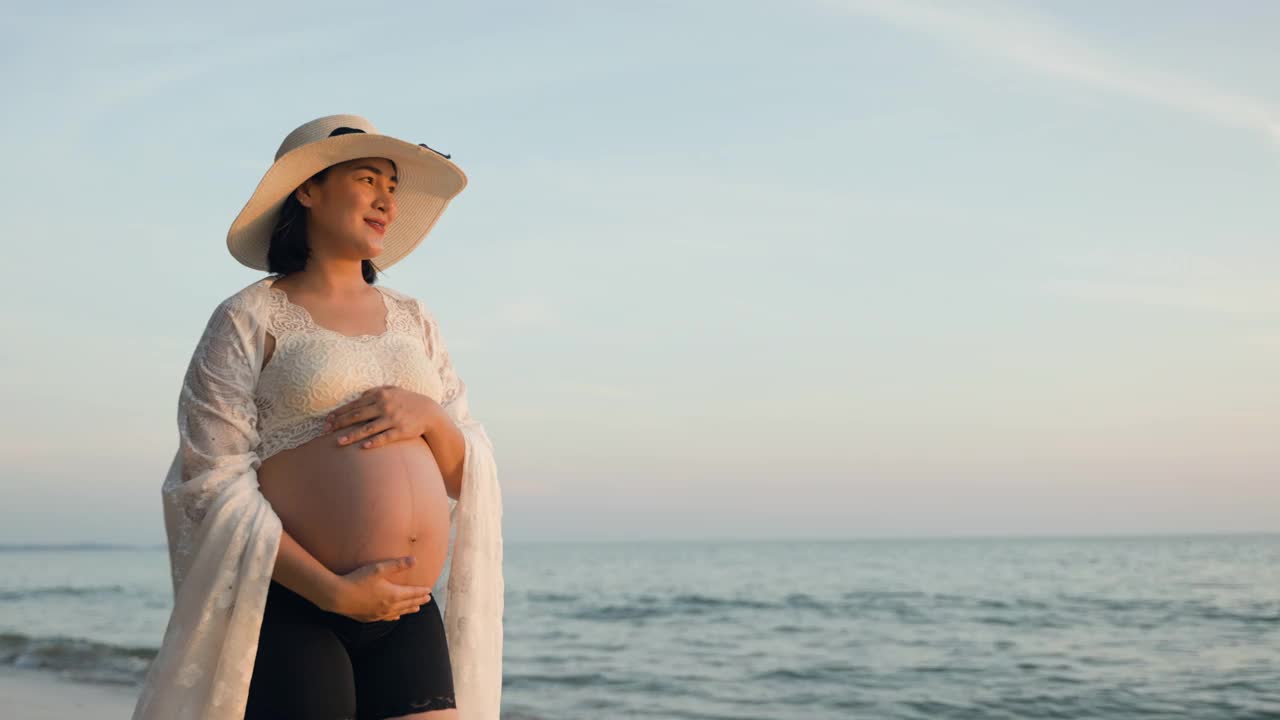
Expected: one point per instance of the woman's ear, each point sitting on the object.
(303, 194)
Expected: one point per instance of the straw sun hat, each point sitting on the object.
(426, 182)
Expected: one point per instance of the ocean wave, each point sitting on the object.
(61, 591)
(77, 659)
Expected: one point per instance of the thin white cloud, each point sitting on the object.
(120, 79)
(519, 314)
(1219, 299)
(1264, 341)
(1173, 279)
(526, 313)
(461, 343)
(597, 390)
(1042, 45)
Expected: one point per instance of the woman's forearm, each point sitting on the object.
(450, 450)
(299, 570)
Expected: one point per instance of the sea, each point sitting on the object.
(1103, 627)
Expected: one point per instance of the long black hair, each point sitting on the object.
(288, 250)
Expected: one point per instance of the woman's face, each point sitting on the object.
(351, 208)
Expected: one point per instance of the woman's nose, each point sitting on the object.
(386, 202)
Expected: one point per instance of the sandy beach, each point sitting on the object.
(41, 695)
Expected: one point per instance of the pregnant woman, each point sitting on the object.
(328, 465)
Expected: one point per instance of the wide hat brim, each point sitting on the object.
(426, 183)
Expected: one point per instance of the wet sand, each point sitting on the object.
(42, 695)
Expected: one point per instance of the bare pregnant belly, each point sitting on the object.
(350, 506)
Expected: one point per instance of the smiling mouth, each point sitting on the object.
(376, 226)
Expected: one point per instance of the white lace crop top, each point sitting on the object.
(314, 369)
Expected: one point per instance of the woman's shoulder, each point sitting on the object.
(250, 300)
(402, 296)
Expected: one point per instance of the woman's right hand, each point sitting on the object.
(365, 594)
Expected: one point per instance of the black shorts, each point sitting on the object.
(317, 665)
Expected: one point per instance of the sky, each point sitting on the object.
(723, 270)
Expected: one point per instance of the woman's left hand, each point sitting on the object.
(386, 414)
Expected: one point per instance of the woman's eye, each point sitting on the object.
(393, 189)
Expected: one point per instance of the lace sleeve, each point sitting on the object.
(223, 534)
(217, 426)
(475, 591)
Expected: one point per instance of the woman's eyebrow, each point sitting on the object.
(375, 171)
